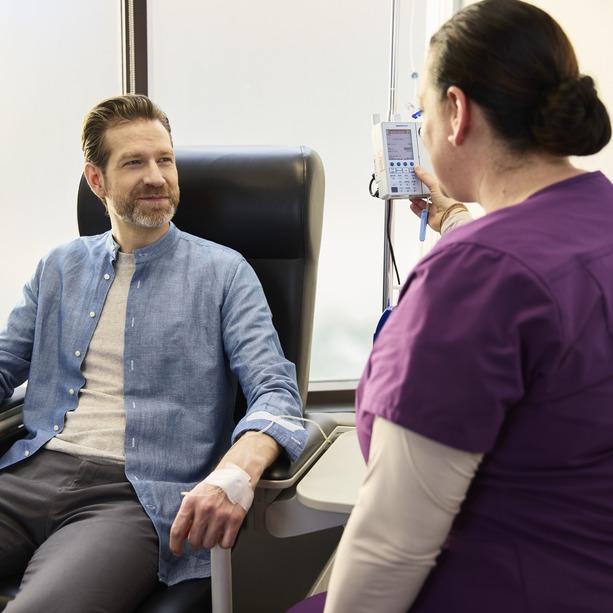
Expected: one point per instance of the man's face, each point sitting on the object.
(140, 182)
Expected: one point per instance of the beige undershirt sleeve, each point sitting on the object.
(456, 219)
(412, 491)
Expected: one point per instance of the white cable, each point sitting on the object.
(412, 106)
(234, 481)
(276, 418)
(411, 30)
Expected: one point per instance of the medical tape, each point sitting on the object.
(234, 481)
(281, 420)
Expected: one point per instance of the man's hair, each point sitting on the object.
(110, 113)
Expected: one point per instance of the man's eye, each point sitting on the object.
(166, 160)
(132, 163)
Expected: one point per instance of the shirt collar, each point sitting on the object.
(150, 252)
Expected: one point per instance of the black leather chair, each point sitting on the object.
(267, 203)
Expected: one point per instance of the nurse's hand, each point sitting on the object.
(439, 203)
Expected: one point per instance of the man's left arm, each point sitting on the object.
(213, 511)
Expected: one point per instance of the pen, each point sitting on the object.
(423, 224)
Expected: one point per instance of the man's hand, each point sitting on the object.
(207, 517)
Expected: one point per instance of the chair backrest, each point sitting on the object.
(267, 204)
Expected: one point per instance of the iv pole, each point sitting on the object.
(388, 273)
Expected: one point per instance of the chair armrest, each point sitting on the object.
(277, 509)
(283, 473)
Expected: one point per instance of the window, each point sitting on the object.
(61, 57)
(300, 72)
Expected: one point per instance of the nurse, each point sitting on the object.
(485, 411)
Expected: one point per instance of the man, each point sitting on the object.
(132, 343)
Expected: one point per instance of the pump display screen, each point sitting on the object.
(399, 145)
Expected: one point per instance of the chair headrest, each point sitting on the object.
(267, 204)
(250, 198)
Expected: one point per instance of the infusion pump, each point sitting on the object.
(398, 149)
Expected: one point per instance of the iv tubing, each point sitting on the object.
(393, 54)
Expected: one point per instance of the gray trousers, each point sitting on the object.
(80, 534)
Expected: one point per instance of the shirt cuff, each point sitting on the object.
(287, 431)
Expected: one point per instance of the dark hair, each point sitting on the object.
(518, 65)
(110, 113)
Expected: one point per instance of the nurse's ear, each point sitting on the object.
(458, 107)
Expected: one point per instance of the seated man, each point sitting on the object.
(132, 343)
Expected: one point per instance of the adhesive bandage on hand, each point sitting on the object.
(234, 481)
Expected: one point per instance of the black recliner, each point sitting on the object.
(267, 203)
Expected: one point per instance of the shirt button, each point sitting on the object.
(56, 428)
(71, 392)
(107, 276)
(92, 314)
(77, 353)
(27, 453)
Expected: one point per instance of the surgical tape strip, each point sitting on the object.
(234, 481)
(277, 419)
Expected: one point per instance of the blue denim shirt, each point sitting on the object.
(197, 321)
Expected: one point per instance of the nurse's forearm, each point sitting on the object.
(413, 489)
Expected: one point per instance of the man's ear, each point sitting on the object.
(95, 180)
(459, 108)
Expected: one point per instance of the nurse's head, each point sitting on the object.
(515, 62)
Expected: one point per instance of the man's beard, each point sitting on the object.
(145, 215)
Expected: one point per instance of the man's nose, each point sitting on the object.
(153, 176)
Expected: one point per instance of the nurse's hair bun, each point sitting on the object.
(571, 119)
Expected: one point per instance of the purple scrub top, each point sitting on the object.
(502, 343)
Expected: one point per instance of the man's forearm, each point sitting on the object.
(253, 452)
